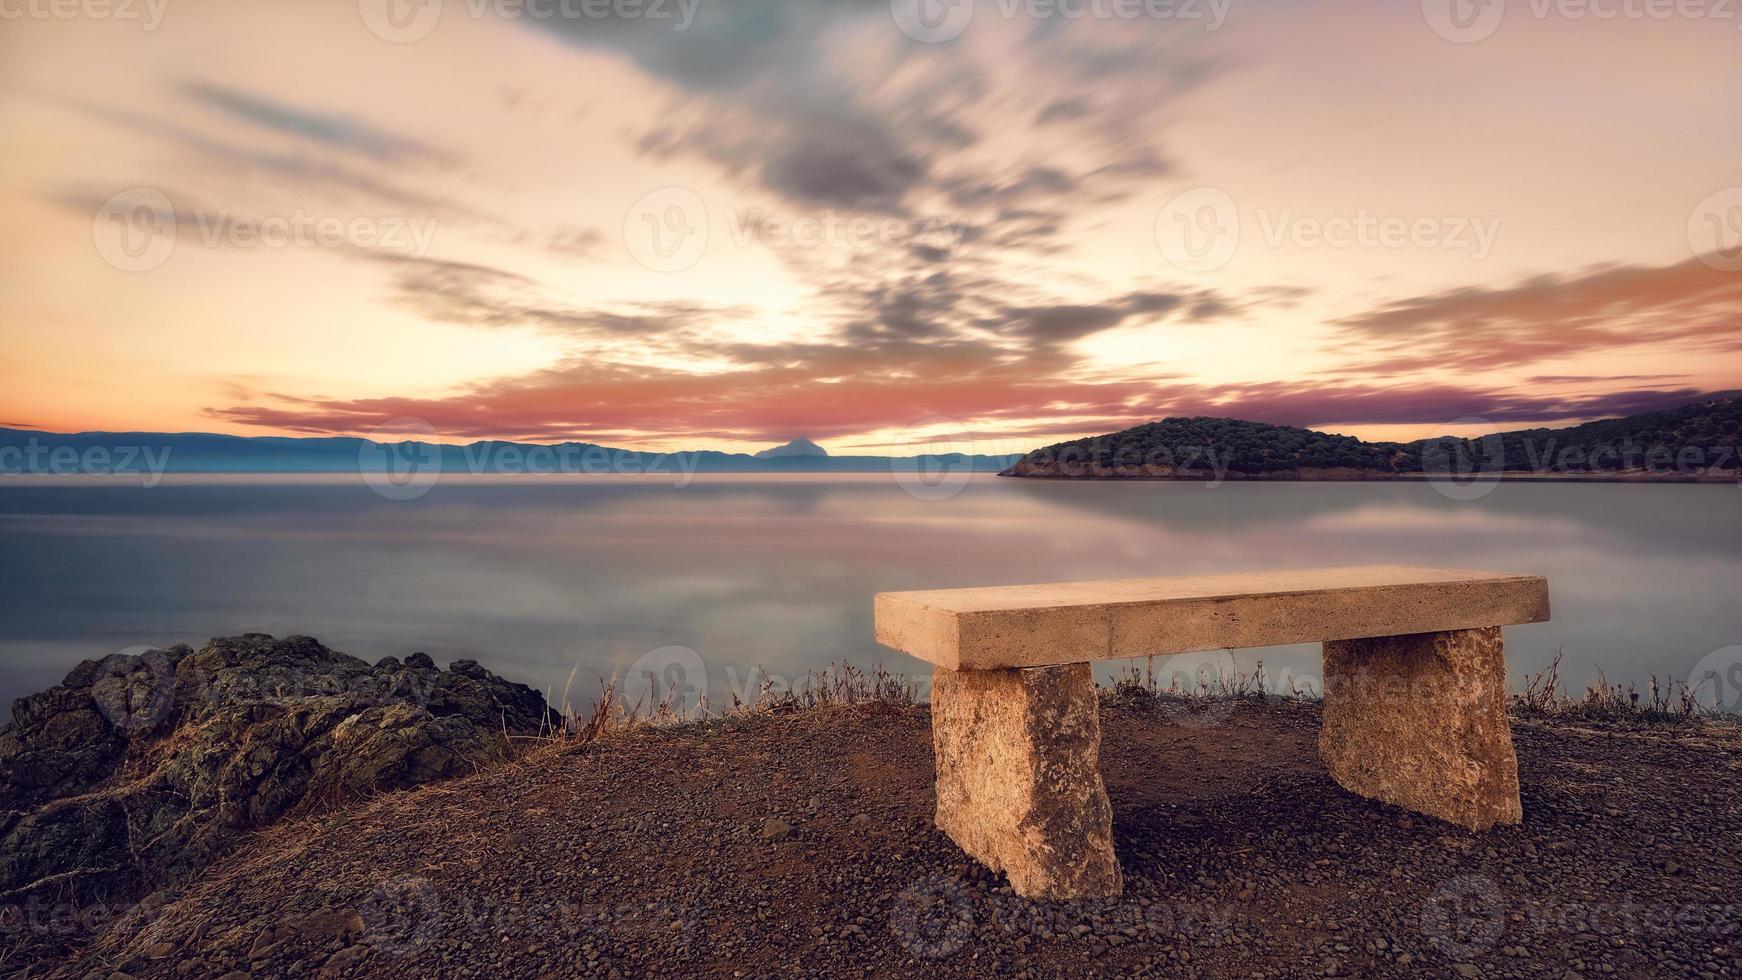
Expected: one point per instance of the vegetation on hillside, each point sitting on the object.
(1701, 438)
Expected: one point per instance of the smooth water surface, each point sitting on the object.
(536, 577)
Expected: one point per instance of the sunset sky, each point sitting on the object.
(727, 224)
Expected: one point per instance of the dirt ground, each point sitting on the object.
(803, 846)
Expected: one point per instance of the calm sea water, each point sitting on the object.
(537, 577)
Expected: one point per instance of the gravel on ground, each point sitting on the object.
(803, 845)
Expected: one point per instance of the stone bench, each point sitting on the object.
(1414, 695)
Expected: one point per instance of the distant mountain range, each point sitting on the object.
(28, 451)
(1698, 441)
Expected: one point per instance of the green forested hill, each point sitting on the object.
(1693, 440)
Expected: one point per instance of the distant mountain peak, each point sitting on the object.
(797, 447)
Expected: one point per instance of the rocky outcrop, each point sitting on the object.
(1019, 780)
(1420, 721)
(138, 770)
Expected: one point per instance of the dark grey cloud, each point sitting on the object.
(328, 129)
(478, 295)
(850, 165)
(244, 161)
(826, 103)
(1049, 325)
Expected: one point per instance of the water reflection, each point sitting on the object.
(537, 576)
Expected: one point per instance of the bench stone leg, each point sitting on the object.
(1019, 780)
(1420, 721)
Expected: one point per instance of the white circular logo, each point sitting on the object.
(397, 467)
(673, 678)
(933, 918)
(932, 21)
(1464, 21)
(1191, 687)
(1716, 681)
(134, 231)
(400, 915)
(135, 689)
(667, 230)
(1715, 230)
(1462, 468)
(1198, 230)
(1464, 917)
(400, 21)
(933, 467)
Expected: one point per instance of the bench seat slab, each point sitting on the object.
(1019, 778)
(1419, 721)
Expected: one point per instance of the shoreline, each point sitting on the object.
(1505, 477)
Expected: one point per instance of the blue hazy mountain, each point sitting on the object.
(28, 451)
(797, 447)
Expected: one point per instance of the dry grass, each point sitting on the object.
(845, 685)
(1229, 683)
(1661, 703)
(831, 687)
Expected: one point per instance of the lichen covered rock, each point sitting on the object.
(139, 769)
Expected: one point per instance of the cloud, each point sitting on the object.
(826, 104)
(840, 391)
(247, 163)
(1688, 307)
(1311, 404)
(478, 295)
(342, 132)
